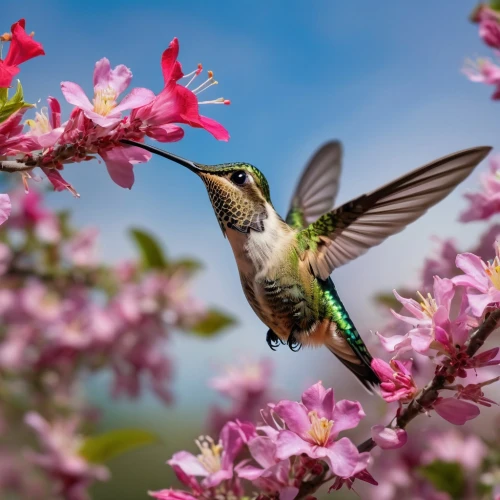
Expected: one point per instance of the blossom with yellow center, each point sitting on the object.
(41, 124)
(320, 428)
(428, 304)
(104, 100)
(492, 270)
(210, 456)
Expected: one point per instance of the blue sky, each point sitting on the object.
(382, 77)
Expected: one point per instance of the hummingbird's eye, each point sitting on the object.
(239, 177)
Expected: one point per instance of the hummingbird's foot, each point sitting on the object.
(273, 340)
(293, 343)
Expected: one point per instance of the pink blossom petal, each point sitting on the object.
(400, 343)
(165, 133)
(57, 181)
(5, 207)
(119, 162)
(55, 112)
(473, 266)
(75, 95)
(344, 458)
(295, 416)
(290, 444)
(108, 120)
(289, 493)
(444, 292)
(118, 79)
(214, 128)
(347, 415)
(388, 439)
(421, 339)
(213, 480)
(456, 411)
(188, 463)
(478, 303)
(320, 400)
(411, 306)
(135, 99)
(263, 450)
(170, 67)
(171, 495)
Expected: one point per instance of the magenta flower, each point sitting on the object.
(482, 281)
(216, 461)
(489, 28)
(104, 109)
(5, 207)
(474, 392)
(388, 438)
(484, 71)
(273, 475)
(487, 202)
(397, 383)
(22, 48)
(46, 128)
(431, 323)
(455, 410)
(60, 457)
(313, 427)
(177, 104)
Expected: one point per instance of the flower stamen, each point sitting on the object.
(193, 74)
(428, 304)
(320, 428)
(492, 270)
(104, 100)
(210, 456)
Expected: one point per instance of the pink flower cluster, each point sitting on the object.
(301, 440)
(441, 324)
(64, 315)
(96, 126)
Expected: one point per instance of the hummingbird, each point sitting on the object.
(285, 264)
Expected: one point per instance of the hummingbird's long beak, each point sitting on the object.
(194, 167)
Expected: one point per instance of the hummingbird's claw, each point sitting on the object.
(273, 340)
(293, 343)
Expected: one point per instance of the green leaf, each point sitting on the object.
(213, 322)
(4, 95)
(445, 476)
(99, 449)
(190, 266)
(10, 106)
(151, 251)
(495, 4)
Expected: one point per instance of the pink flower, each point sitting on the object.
(484, 71)
(81, 249)
(432, 327)
(5, 207)
(452, 446)
(108, 85)
(388, 438)
(314, 425)
(171, 495)
(489, 28)
(216, 461)
(397, 383)
(177, 104)
(474, 392)
(479, 277)
(10, 131)
(247, 385)
(46, 128)
(273, 475)
(60, 457)
(455, 411)
(22, 48)
(487, 202)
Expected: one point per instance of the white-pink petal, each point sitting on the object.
(388, 438)
(137, 98)
(5, 207)
(75, 95)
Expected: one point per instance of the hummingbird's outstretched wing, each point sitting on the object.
(317, 188)
(351, 229)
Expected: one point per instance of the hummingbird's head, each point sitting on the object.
(239, 192)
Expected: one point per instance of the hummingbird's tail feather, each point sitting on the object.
(363, 371)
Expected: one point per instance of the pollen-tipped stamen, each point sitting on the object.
(210, 456)
(428, 304)
(206, 84)
(193, 74)
(219, 100)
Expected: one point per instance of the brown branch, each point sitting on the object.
(423, 402)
